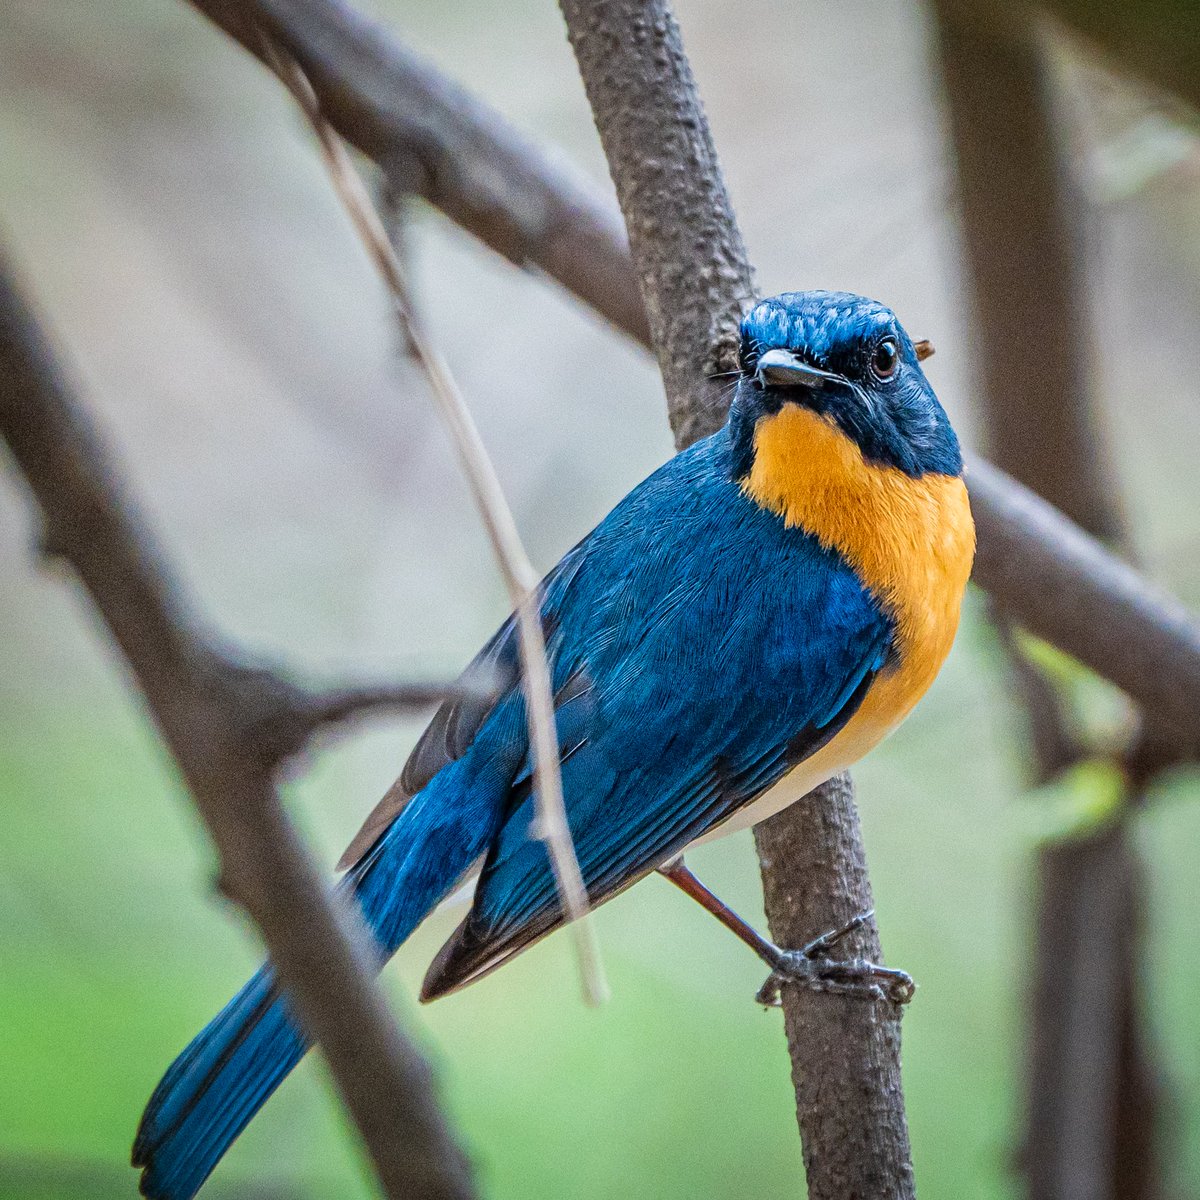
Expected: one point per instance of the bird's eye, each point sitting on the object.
(886, 359)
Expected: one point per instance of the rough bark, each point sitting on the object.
(845, 1056)
(695, 282)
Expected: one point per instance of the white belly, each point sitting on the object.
(796, 783)
(843, 752)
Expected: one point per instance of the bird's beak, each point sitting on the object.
(782, 368)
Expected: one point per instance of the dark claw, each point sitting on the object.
(812, 968)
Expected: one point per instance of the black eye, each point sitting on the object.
(886, 359)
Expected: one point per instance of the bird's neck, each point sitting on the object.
(909, 539)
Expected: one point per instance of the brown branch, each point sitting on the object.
(815, 878)
(295, 715)
(1091, 1109)
(204, 705)
(434, 139)
(393, 106)
(1063, 585)
(695, 280)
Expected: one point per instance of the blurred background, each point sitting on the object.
(172, 221)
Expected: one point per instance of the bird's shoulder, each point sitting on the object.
(688, 608)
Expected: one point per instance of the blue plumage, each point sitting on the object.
(700, 648)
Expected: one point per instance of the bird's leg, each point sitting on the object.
(810, 965)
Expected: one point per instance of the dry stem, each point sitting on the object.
(519, 576)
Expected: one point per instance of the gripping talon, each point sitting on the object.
(812, 968)
(820, 946)
(810, 965)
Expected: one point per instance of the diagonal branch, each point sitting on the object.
(488, 178)
(203, 704)
(1062, 584)
(434, 139)
(849, 1101)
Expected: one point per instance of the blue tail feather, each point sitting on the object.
(213, 1089)
(236, 1062)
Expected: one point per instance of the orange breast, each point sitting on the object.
(910, 541)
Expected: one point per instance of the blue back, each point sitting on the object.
(702, 648)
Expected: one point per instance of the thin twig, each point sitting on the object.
(519, 576)
(296, 714)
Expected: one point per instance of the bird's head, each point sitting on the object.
(848, 361)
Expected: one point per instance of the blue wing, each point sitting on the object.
(700, 649)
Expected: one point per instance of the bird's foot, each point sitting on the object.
(812, 967)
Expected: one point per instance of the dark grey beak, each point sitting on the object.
(782, 368)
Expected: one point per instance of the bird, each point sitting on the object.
(747, 622)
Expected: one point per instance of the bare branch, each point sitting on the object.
(1091, 1088)
(201, 704)
(519, 576)
(436, 140)
(1063, 585)
(295, 714)
(695, 280)
(393, 106)
(846, 1152)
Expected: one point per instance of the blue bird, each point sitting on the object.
(748, 621)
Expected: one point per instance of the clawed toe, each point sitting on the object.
(811, 967)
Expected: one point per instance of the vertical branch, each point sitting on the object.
(845, 1059)
(695, 280)
(687, 249)
(1091, 1099)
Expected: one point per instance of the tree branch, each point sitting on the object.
(1063, 585)
(394, 107)
(204, 705)
(695, 281)
(294, 715)
(1091, 1091)
(815, 878)
(434, 139)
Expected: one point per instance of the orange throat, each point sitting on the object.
(911, 541)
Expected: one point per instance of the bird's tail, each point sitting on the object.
(233, 1065)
